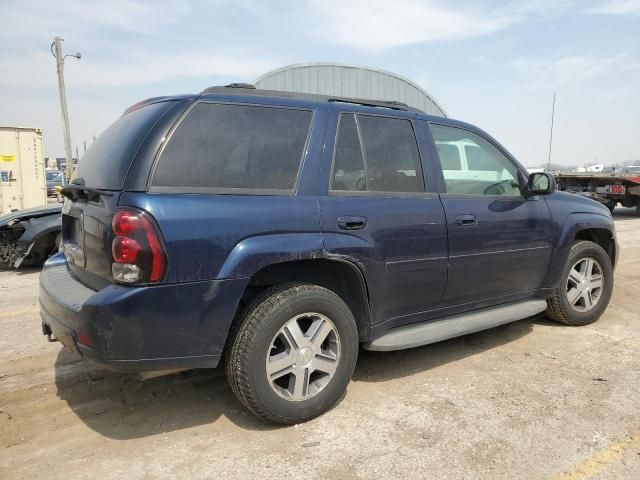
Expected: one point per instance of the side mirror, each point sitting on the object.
(541, 183)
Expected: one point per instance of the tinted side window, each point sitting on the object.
(235, 146)
(391, 155)
(348, 164)
(389, 161)
(484, 170)
(106, 163)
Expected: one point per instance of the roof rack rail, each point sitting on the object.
(241, 85)
(394, 104)
(249, 86)
(237, 89)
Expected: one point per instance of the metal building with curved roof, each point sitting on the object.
(350, 81)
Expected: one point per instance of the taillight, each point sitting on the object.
(137, 249)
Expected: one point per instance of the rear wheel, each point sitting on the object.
(293, 353)
(585, 288)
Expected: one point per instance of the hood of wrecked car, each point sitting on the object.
(11, 217)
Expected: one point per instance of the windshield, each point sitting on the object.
(53, 175)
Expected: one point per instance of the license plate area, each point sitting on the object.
(73, 237)
(618, 189)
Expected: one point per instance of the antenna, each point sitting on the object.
(553, 112)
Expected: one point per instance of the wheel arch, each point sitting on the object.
(589, 226)
(601, 236)
(40, 227)
(341, 276)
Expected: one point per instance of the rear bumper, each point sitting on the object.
(139, 328)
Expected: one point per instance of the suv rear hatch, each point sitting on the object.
(92, 197)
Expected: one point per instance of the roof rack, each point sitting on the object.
(241, 85)
(249, 89)
(376, 103)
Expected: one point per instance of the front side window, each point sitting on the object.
(471, 165)
(376, 154)
(225, 146)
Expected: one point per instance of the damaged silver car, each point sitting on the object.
(29, 237)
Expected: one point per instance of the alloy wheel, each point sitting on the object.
(303, 356)
(585, 284)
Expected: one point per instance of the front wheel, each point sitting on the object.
(585, 288)
(293, 353)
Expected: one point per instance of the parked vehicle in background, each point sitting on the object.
(55, 178)
(283, 231)
(22, 178)
(610, 189)
(29, 237)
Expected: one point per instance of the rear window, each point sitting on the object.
(222, 146)
(107, 161)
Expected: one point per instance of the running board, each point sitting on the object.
(435, 331)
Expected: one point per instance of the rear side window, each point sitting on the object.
(107, 161)
(376, 154)
(221, 146)
(348, 163)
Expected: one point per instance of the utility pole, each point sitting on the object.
(56, 50)
(553, 111)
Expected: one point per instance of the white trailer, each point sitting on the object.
(22, 169)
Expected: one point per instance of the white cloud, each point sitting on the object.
(383, 24)
(570, 71)
(38, 69)
(616, 7)
(21, 20)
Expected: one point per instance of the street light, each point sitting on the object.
(56, 51)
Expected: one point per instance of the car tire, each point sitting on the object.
(275, 378)
(578, 300)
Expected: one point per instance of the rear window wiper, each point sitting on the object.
(77, 190)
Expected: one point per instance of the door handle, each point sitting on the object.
(466, 220)
(352, 223)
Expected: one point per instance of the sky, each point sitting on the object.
(492, 63)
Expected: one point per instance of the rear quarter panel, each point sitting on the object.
(230, 236)
(219, 236)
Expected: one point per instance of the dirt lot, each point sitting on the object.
(528, 400)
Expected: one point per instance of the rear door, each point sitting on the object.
(382, 213)
(499, 240)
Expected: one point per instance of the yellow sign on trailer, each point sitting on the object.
(22, 174)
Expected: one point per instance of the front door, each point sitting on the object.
(499, 240)
(380, 213)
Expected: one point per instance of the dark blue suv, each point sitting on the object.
(277, 233)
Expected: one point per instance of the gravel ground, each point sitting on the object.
(532, 399)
